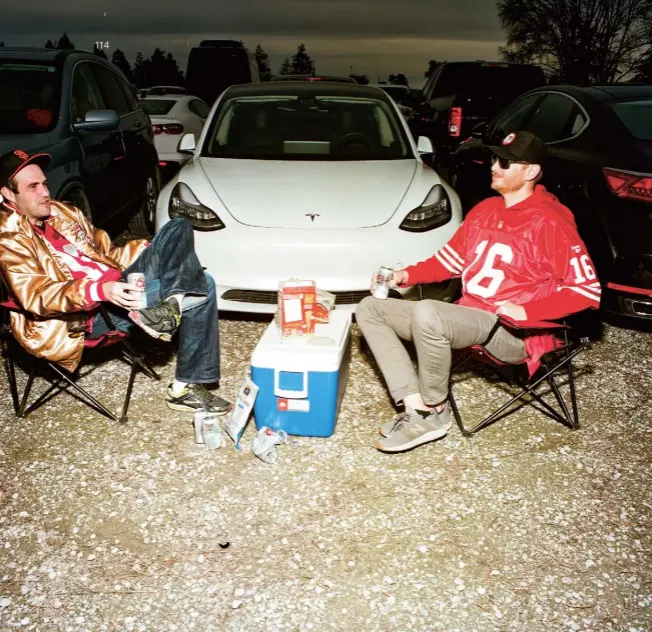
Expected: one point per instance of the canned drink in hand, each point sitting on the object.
(138, 279)
(384, 277)
(264, 445)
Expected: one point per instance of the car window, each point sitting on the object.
(199, 108)
(158, 107)
(556, 118)
(513, 118)
(636, 116)
(300, 127)
(86, 95)
(30, 95)
(110, 88)
(130, 95)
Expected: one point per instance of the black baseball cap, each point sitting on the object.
(13, 161)
(521, 147)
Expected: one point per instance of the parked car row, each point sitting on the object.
(314, 176)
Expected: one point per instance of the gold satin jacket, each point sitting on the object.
(52, 321)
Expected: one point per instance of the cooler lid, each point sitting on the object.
(321, 351)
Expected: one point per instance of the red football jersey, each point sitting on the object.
(529, 254)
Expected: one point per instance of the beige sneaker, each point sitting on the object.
(414, 431)
(388, 427)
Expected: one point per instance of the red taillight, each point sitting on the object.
(635, 186)
(455, 121)
(173, 128)
(168, 128)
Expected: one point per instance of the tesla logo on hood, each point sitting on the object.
(312, 216)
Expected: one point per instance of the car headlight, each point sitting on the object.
(183, 203)
(434, 212)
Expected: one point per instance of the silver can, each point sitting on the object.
(384, 277)
(138, 279)
(198, 421)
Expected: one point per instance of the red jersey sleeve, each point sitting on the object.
(447, 263)
(577, 286)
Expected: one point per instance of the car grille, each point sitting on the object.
(271, 298)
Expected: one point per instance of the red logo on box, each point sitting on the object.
(281, 403)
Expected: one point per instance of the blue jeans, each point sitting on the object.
(170, 266)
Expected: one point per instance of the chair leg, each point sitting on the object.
(130, 385)
(28, 388)
(98, 406)
(573, 396)
(11, 374)
(136, 358)
(456, 414)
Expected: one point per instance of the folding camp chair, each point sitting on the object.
(62, 378)
(552, 363)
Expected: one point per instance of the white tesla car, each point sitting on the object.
(309, 180)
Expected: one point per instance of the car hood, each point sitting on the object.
(316, 194)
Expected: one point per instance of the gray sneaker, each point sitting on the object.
(388, 427)
(414, 431)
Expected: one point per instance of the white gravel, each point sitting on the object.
(527, 526)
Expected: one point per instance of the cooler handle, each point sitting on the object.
(279, 392)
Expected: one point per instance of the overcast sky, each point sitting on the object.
(376, 37)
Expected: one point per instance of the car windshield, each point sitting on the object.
(157, 107)
(306, 127)
(636, 116)
(30, 95)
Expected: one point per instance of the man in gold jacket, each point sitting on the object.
(58, 268)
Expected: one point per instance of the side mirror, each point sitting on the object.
(187, 144)
(479, 131)
(98, 121)
(424, 145)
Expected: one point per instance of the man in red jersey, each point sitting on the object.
(518, 254)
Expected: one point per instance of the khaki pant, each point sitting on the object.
(436, 328)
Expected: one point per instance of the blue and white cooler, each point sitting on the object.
(302, 380)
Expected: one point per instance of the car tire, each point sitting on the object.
(142, 223)
(77, 197)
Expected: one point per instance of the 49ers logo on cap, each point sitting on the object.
(509, 138)
(21, 154)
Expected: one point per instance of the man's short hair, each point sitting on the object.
(12, 185)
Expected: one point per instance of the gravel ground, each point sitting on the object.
(527, 526)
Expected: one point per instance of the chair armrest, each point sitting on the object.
(537, 325)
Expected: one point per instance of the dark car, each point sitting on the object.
(461, 94)
(215, 65)
(81, 110)
(600, 145)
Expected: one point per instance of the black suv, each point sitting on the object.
(81, 110)
(461, 94)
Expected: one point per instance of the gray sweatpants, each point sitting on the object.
(436, 328)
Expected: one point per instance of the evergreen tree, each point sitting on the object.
(262, 59)
(99, 52)
(286, 68)
(64, 43)
(398, 80)
(120, 60)
(433, 64)
(141, 71)
(49, 44)
(302, 64)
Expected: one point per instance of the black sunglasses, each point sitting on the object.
(505, 163)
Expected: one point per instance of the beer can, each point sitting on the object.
(138, 279)
(198, 420)
(384, 276)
